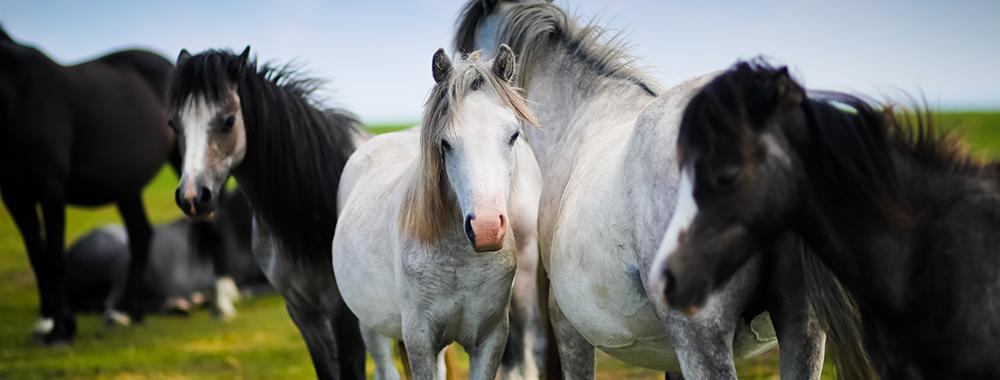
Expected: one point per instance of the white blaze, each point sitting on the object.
(684, 213)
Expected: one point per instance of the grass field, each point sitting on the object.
(262, 342)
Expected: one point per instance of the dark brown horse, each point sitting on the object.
(88, 134)
(905, 220)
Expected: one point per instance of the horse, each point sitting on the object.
(610, 184)
(891, 206)
(88, 134)
(431, 222)
(262, 125)
(181, 267)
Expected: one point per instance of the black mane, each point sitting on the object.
(296, 151)
(852, 142)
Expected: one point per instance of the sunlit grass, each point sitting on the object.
(261, 343)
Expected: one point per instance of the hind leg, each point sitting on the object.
(350, 344)
(380, 348)
(316, 331)
(576, 355)
(139, 235)
(22, 210)
(54, 213)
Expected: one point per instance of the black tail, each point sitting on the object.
(838, 314)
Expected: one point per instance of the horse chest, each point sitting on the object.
(458, 290)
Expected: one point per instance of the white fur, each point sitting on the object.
(430, 295)
(684, 214)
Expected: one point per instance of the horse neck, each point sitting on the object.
(572, 100)
(875, 257)
(290, 173)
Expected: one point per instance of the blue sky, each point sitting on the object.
(376, 54)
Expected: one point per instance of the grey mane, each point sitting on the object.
(532, 28)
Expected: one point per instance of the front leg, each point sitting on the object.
(800, 337)
(484, 356)
(422, 349)
(576, 354)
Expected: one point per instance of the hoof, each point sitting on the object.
(177, 305)
(63, 331)
(226, 295)
(43, 326)
(114, 318)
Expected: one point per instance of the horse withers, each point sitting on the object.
(261, 125)
(894, 209)
(431, 222)
(88, 134)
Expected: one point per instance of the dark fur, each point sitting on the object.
(295, 153)
(87, 134)
(896, 209)
(295, 150)
(181, 261)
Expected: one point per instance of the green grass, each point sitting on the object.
(262, 342)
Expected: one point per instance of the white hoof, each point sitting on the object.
(226, 295)
(114, 317)
(43, 326)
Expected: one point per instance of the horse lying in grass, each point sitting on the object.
(903, 218)
(432, 223)
(182, 264)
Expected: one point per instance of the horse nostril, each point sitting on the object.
(468, 228)
(503, 221)
(205, 195)
(668, 281)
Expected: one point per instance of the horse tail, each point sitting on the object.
(553, 366)
(449, 362)
(838, 315)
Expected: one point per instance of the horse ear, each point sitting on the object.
(440, 66)
(503, 64)
(183, 57)
(240, 66)
(787, 92)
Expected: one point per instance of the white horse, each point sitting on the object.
(607, 155)
(422, 251)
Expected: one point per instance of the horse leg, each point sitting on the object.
(139, 235)
(350, 344)
(422, 349)
(576, 354)
(318, 334)
(801, 339)
(209, 240)
(704, 347)
(484, 355)
(380, 348)
(54, 214)
(25, 217)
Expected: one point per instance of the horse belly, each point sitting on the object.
(598, 287)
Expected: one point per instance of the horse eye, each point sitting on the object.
(445, 145)
(228, 123)
(513, 138)
(728, 176)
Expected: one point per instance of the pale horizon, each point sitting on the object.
(375, 56)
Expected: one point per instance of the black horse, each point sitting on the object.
(183, 257)
(261, 125)
(88, 134)
(903, 218)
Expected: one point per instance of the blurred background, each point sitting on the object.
(375, 56)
